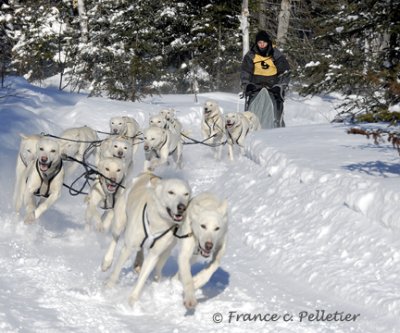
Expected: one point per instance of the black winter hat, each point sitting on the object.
(262, 35)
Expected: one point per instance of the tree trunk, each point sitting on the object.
(262, 18)
(283, 25)
(244, 26)
(83, 21)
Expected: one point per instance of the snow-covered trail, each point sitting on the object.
(309, 230)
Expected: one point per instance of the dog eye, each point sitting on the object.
(216, 229)
(186, 194)
(203, 226)
(53, 150)
(107, 169)
(171, 192)
(41, 149)
(119, 170)
(115, 146)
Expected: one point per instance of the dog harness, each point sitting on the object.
(44, 188)
(150, 239)
(237, 140)
(109, 199)
(213, 126)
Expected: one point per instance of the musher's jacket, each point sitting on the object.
(264, 70)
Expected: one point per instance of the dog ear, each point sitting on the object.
(154, 180)
(223, 208)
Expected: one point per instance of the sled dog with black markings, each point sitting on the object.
(151, 213)
(104, 193)
(158, 145)
(237, 128)
(44, 178)
(207, 225)
(213, 127)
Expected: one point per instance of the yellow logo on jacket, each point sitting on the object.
(264, 66)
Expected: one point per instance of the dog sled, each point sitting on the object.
(267, 105)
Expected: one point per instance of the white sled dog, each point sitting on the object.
(237, 128)
(126, 126)
(76, 143)
(207, 223)
(104, 193)
(44, 178)
(158, 145)
(158, 121)
(27, 153)
(254, 122)
(151, 213)
(173, 124)
(118, 147)
(213, 127)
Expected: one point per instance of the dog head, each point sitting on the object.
(28, 148)
(112, 169)
(173, 196)
(211, 108)
(232, 120)
(121, 148)
(209, 224)
(48, 153)
(158, 121)
(118, 125)
(168, 114)
(153, 138)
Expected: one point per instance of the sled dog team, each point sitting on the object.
(152, 214)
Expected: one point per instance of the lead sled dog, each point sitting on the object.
(207, 225)
(151, 213)
(213, 127)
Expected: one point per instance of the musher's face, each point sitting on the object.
(262, 44)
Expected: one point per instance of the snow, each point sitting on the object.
(313, 236)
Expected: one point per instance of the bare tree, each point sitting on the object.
(83, 20)
(244, 26)
(283, 25)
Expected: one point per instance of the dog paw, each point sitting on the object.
(132, 300)
(100, 227)
(190, 302)
(105, 265)
(30, 218)
(110, 284)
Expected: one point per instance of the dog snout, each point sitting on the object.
(115, 130)
(44, 159)
(120, 153)
(181, 208)
(208, 246)
(146, 147)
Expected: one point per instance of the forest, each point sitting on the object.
(125, 49)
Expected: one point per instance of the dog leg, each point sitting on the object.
(148, 266)
(105, 226)
(137, 266)
(230, 151)
(161, 262)
(30, 202)
(55, 193)
(126, 251)
(185, 274)
(109, 256)
(19, 185)
(92, 212)
(201, 278)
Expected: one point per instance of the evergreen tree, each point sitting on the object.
(357, 54)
